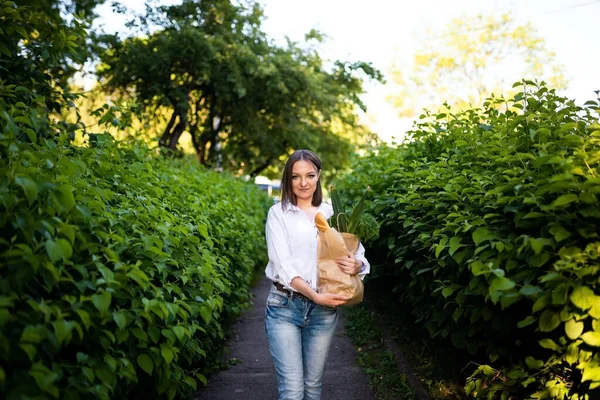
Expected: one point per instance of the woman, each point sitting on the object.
(300, 322)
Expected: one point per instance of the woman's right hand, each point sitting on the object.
(330, 300)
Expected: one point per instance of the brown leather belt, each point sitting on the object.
(282, 289)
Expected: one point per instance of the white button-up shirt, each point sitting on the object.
(292, 244)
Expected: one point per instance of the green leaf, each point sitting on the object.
(454, 245)
(167, 353)
(63, 198)
(438, 249)
(537, 244)
(482, 234)
(44, 377)
(590, 374)
(595, 310)
(102, 301)
(85, 318)
(179, 332)
(81, 357)
(573, 329)
(572, 353)
(549, 320)
(477, 268)
(120, 319)
(509, 299)
(140, 334)
(528, 290)
(4, 50)
(533, 363)
(107, 377)
(583, 297)
(206, 313)
(154, 334)
(591, 338)
(139, 277)
(111, 362)
(59, 249)
(89, 374)
(457, 314)
(564, 200)
(169, 335)
(534, 214)
(202, 379)
(516, 374)
(549, 344)
(32, 334)
(62, 330)
(29, 187)
(447, 291)
(541, 303)
(29, 349)
(559, 294)
(145, 362)
(191, 382)
(559, 233)
(501, 284)
(357, 212)
(527, 321)
(539, 259)
(203, 229)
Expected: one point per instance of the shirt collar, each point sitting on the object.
(289, 206)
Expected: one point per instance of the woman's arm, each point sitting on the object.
(355, 263)
(279, 249)
(324, 299)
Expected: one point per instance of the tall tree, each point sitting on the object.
(42, 44)
(471, 59)
(244, 101)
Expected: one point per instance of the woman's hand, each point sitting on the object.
(349, 265)
(329, 299)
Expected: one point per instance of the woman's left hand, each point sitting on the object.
(349, 265)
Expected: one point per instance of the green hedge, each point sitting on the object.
(490, 228)
(118, 268)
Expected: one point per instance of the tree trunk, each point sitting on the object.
(260, 168)
(177, 132)
(167, 132)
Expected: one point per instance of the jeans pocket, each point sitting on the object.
(277, 300)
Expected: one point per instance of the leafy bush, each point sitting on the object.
(118, 269)
(489, 220)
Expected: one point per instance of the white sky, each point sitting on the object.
(381, 31)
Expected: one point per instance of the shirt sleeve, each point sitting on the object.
(360, 255)
(279, 249)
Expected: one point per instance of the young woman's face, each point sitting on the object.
(304, 179)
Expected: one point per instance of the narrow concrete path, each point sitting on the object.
(253, 377)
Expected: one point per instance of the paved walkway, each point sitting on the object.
(253, 378)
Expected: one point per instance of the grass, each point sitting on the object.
(441, 368)
(375, 360)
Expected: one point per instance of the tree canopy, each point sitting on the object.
(470, 60)
(42, 44)
(244, 100)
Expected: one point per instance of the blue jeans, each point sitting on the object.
(299, 332)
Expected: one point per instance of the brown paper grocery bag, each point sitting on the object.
(331, 279)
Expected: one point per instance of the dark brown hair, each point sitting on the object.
(287, 190)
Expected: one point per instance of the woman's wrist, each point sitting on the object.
(358, 265)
